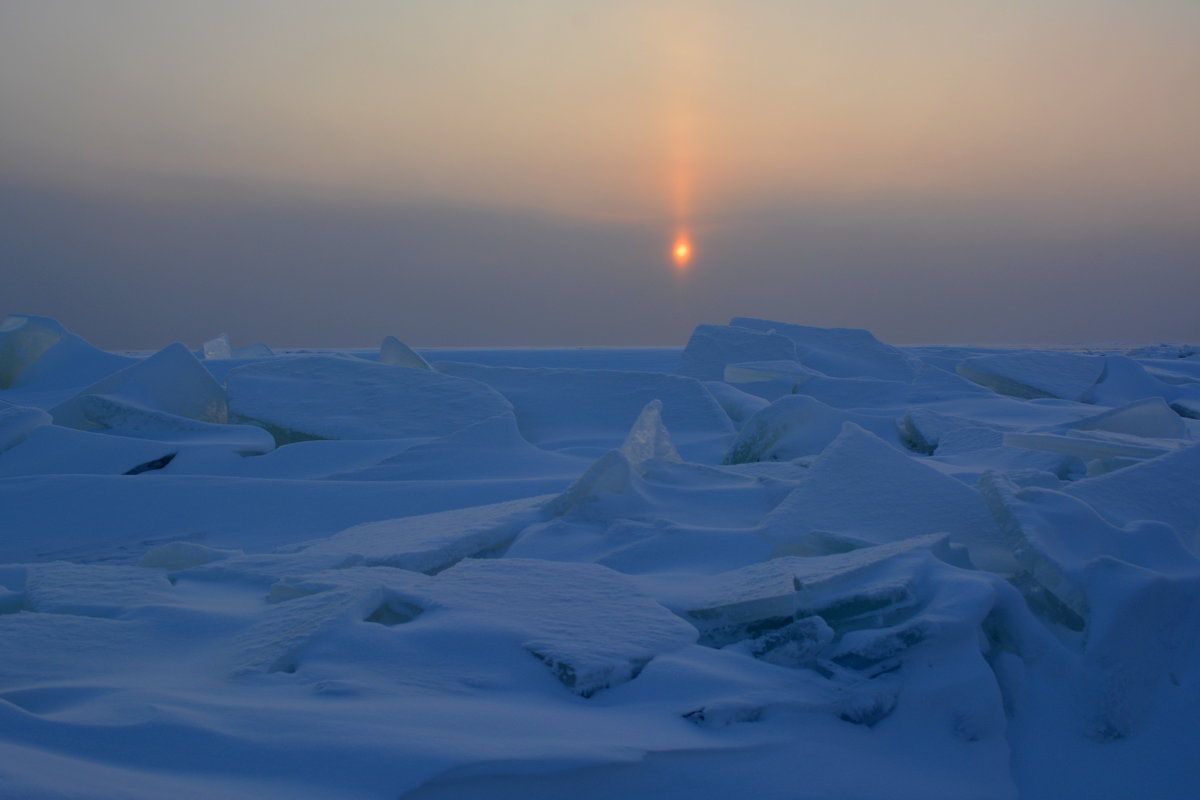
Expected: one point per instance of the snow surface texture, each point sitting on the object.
(808, 564)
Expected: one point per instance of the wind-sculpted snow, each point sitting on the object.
(808, 564)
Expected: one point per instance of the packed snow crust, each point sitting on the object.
(806, 563)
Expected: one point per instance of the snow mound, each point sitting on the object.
(326, 397)
(1034, 375)
(93, 590)
(17, 422)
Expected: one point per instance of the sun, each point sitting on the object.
(682, 252)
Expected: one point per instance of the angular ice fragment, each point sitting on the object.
(278, 640)
(712, 347)
(795, 426)
(611, 474)
(23, 340)
(648, 439)
(40, 351)
(739, 405)
(839, 352)
(587, 411)
(590, 625)
(175, 556)
(1084, 445)
(327, 397)
(219, 347)
(1125, 380)
(748, 602)
(171, 380)
(1036, 374)
(432, 542)
(397, 354)
(794, 645)
(761, 371)
(1166, 488)
(1134, 588)
(1149, 418)
(113, 414)
(863, 489)
(1055, 537)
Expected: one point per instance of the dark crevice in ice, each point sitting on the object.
(157, 463)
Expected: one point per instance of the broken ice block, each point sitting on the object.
(712, 347)
(795, 426)
(589, 625)
(1035, 374)
(839, 352)
(397, 354)
(328, 397)
(219, 347)
(648, 439)
(171, 380)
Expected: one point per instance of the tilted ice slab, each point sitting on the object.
(862, 491)
(839, 352)
(171, 381)
(738, 404)
(221, 348)
(39, 353)
(1032, 375)
(432, 542)
(712, 348)
(396, 353)
(1149, 418)
(1133, 589)
(113, 415)
(1166, 488)
(589, 411)
(862, 620)
(327, 397)
(590, 625)
(798, 425)
(755, 599)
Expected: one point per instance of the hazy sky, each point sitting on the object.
(458, 172)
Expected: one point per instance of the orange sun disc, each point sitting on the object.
(682, 252)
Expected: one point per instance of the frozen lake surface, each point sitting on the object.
(779, 561)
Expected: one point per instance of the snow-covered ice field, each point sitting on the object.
(781, 562)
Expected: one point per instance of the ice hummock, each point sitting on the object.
(498, 580)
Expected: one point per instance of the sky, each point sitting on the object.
(460, 172)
